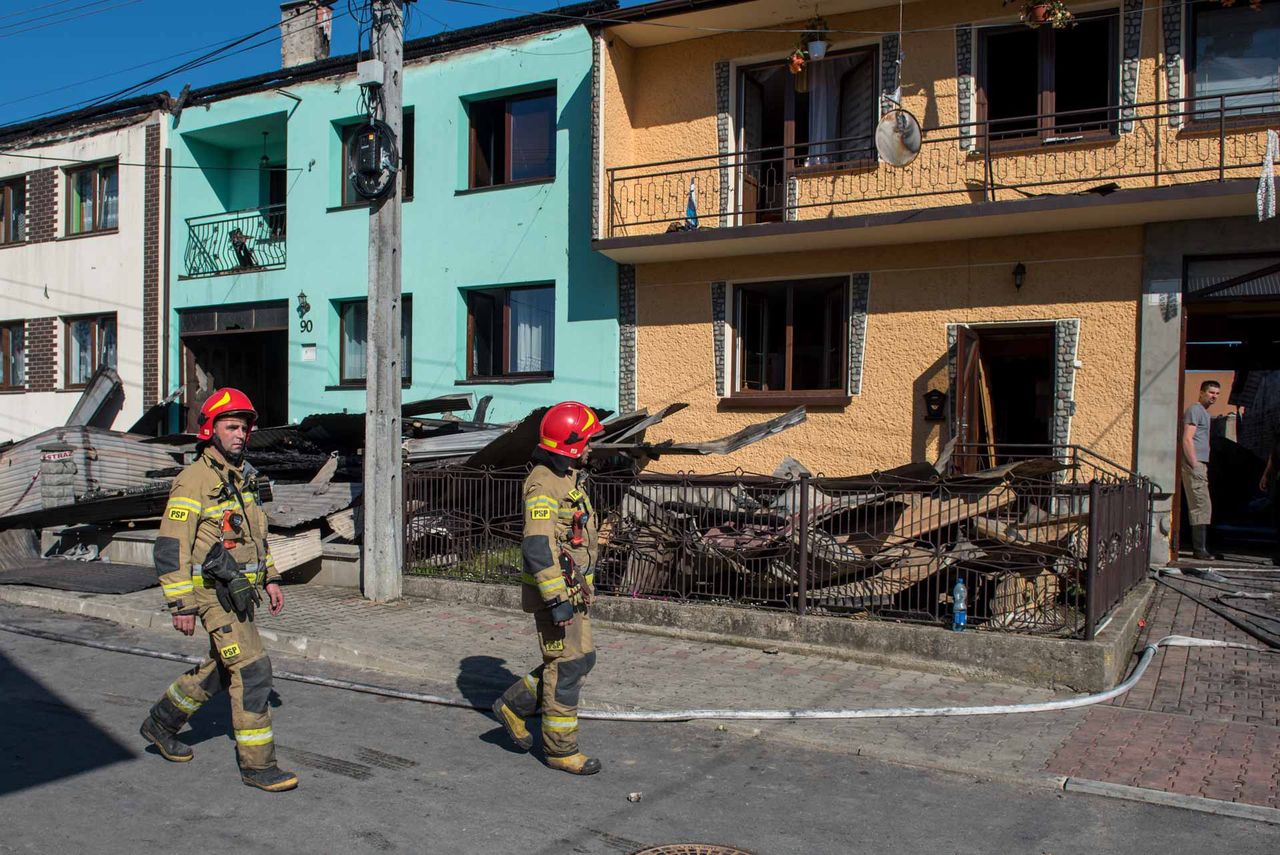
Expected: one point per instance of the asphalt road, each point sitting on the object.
(382, 775)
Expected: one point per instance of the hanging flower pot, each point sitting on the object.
(797, 61)
(816, 39)
(1052, 12)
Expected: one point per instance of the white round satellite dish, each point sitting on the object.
(898, 137)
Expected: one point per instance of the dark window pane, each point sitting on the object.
(763, 338)
(1237, 49)
(533, 138)
(406, 153)
(817, 339)
(1011, 81)
(355, 329)
(1082, 75)
(486, 330)
(488, 134)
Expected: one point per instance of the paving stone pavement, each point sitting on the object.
(1201, 722)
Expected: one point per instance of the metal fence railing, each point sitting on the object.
(1043, 545)
(1144, 145)
(253, 239)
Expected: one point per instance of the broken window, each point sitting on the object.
(792, 337)
(1048, 82)
(1235, 57)
(511, 332)
(13, 355)
(93, 198)
(353, 335)
(513, 140)
(90, 344)
(13, 210)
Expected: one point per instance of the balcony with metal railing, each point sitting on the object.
(1142, 152)
(244, 241)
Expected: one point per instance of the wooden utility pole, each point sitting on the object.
(383, 481)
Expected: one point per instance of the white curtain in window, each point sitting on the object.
(17, 356)
(532, 330)
(110, 178)
(355, 325)
(107, 342)
(826, 106)
(80, 343)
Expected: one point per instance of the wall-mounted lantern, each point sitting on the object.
(303, 305)
(1019, 275)
(264, 161)
(935, 406)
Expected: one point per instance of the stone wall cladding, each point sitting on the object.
(1131, 47)
(888, 65)
(151, 270)
(1066, 340)
(596, 85)
(719, 336)
(792, 212)
(722, 136)
(626, 338)
(859, 300)
(1172, 25)
(964, 84)
(42, 354)
(42, 205)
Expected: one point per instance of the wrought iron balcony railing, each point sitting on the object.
(1153, 144)
(236, 242)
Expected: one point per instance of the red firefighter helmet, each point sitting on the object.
(224, 402)
(566, 428)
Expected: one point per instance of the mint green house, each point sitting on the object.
(504, 296)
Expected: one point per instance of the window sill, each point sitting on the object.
(13, 390)
(514, 380)
(10, 244)
(1030, 144)
(98, 233)
(77, 390)
(1195, 128)
(359, 206)
(532, 182)
(826, 170)
(769, 402)
(359, 387)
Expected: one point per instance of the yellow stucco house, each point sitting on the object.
(1049, 256)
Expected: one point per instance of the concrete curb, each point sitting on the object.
(1238, 810)
(1083, 666)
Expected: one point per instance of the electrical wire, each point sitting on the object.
(59, 17)
(155, 165)
(35, 9)
(677, 715)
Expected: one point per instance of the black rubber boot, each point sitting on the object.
(273, 779)
(165, 740)
(1199, 536)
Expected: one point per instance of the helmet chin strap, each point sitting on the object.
(233, 459)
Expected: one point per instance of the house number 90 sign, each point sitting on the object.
(304, 326)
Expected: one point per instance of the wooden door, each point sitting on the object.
(975, 448)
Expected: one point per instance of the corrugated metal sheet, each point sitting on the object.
(293, 505)
(289, 551)
(105, 462)
(17, 546)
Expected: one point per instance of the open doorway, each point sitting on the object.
(245, 346)
(1231, 335)
(1004, 392)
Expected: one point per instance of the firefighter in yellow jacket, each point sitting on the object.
(559, 550)
(212, 558)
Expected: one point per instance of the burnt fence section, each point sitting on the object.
(1043, 545)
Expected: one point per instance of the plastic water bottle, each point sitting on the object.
(959, 594)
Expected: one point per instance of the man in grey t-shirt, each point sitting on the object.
(1195, 466)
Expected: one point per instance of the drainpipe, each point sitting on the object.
(168, 241)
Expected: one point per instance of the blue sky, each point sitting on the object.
(74, 51)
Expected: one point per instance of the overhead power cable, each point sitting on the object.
(154, 165)
(20, 12)
(7, 32)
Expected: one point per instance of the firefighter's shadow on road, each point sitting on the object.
(212, 722)
(482, 680)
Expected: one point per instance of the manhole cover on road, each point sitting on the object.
(691, 849)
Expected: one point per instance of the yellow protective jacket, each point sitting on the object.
(201, 496)
(550, 503)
